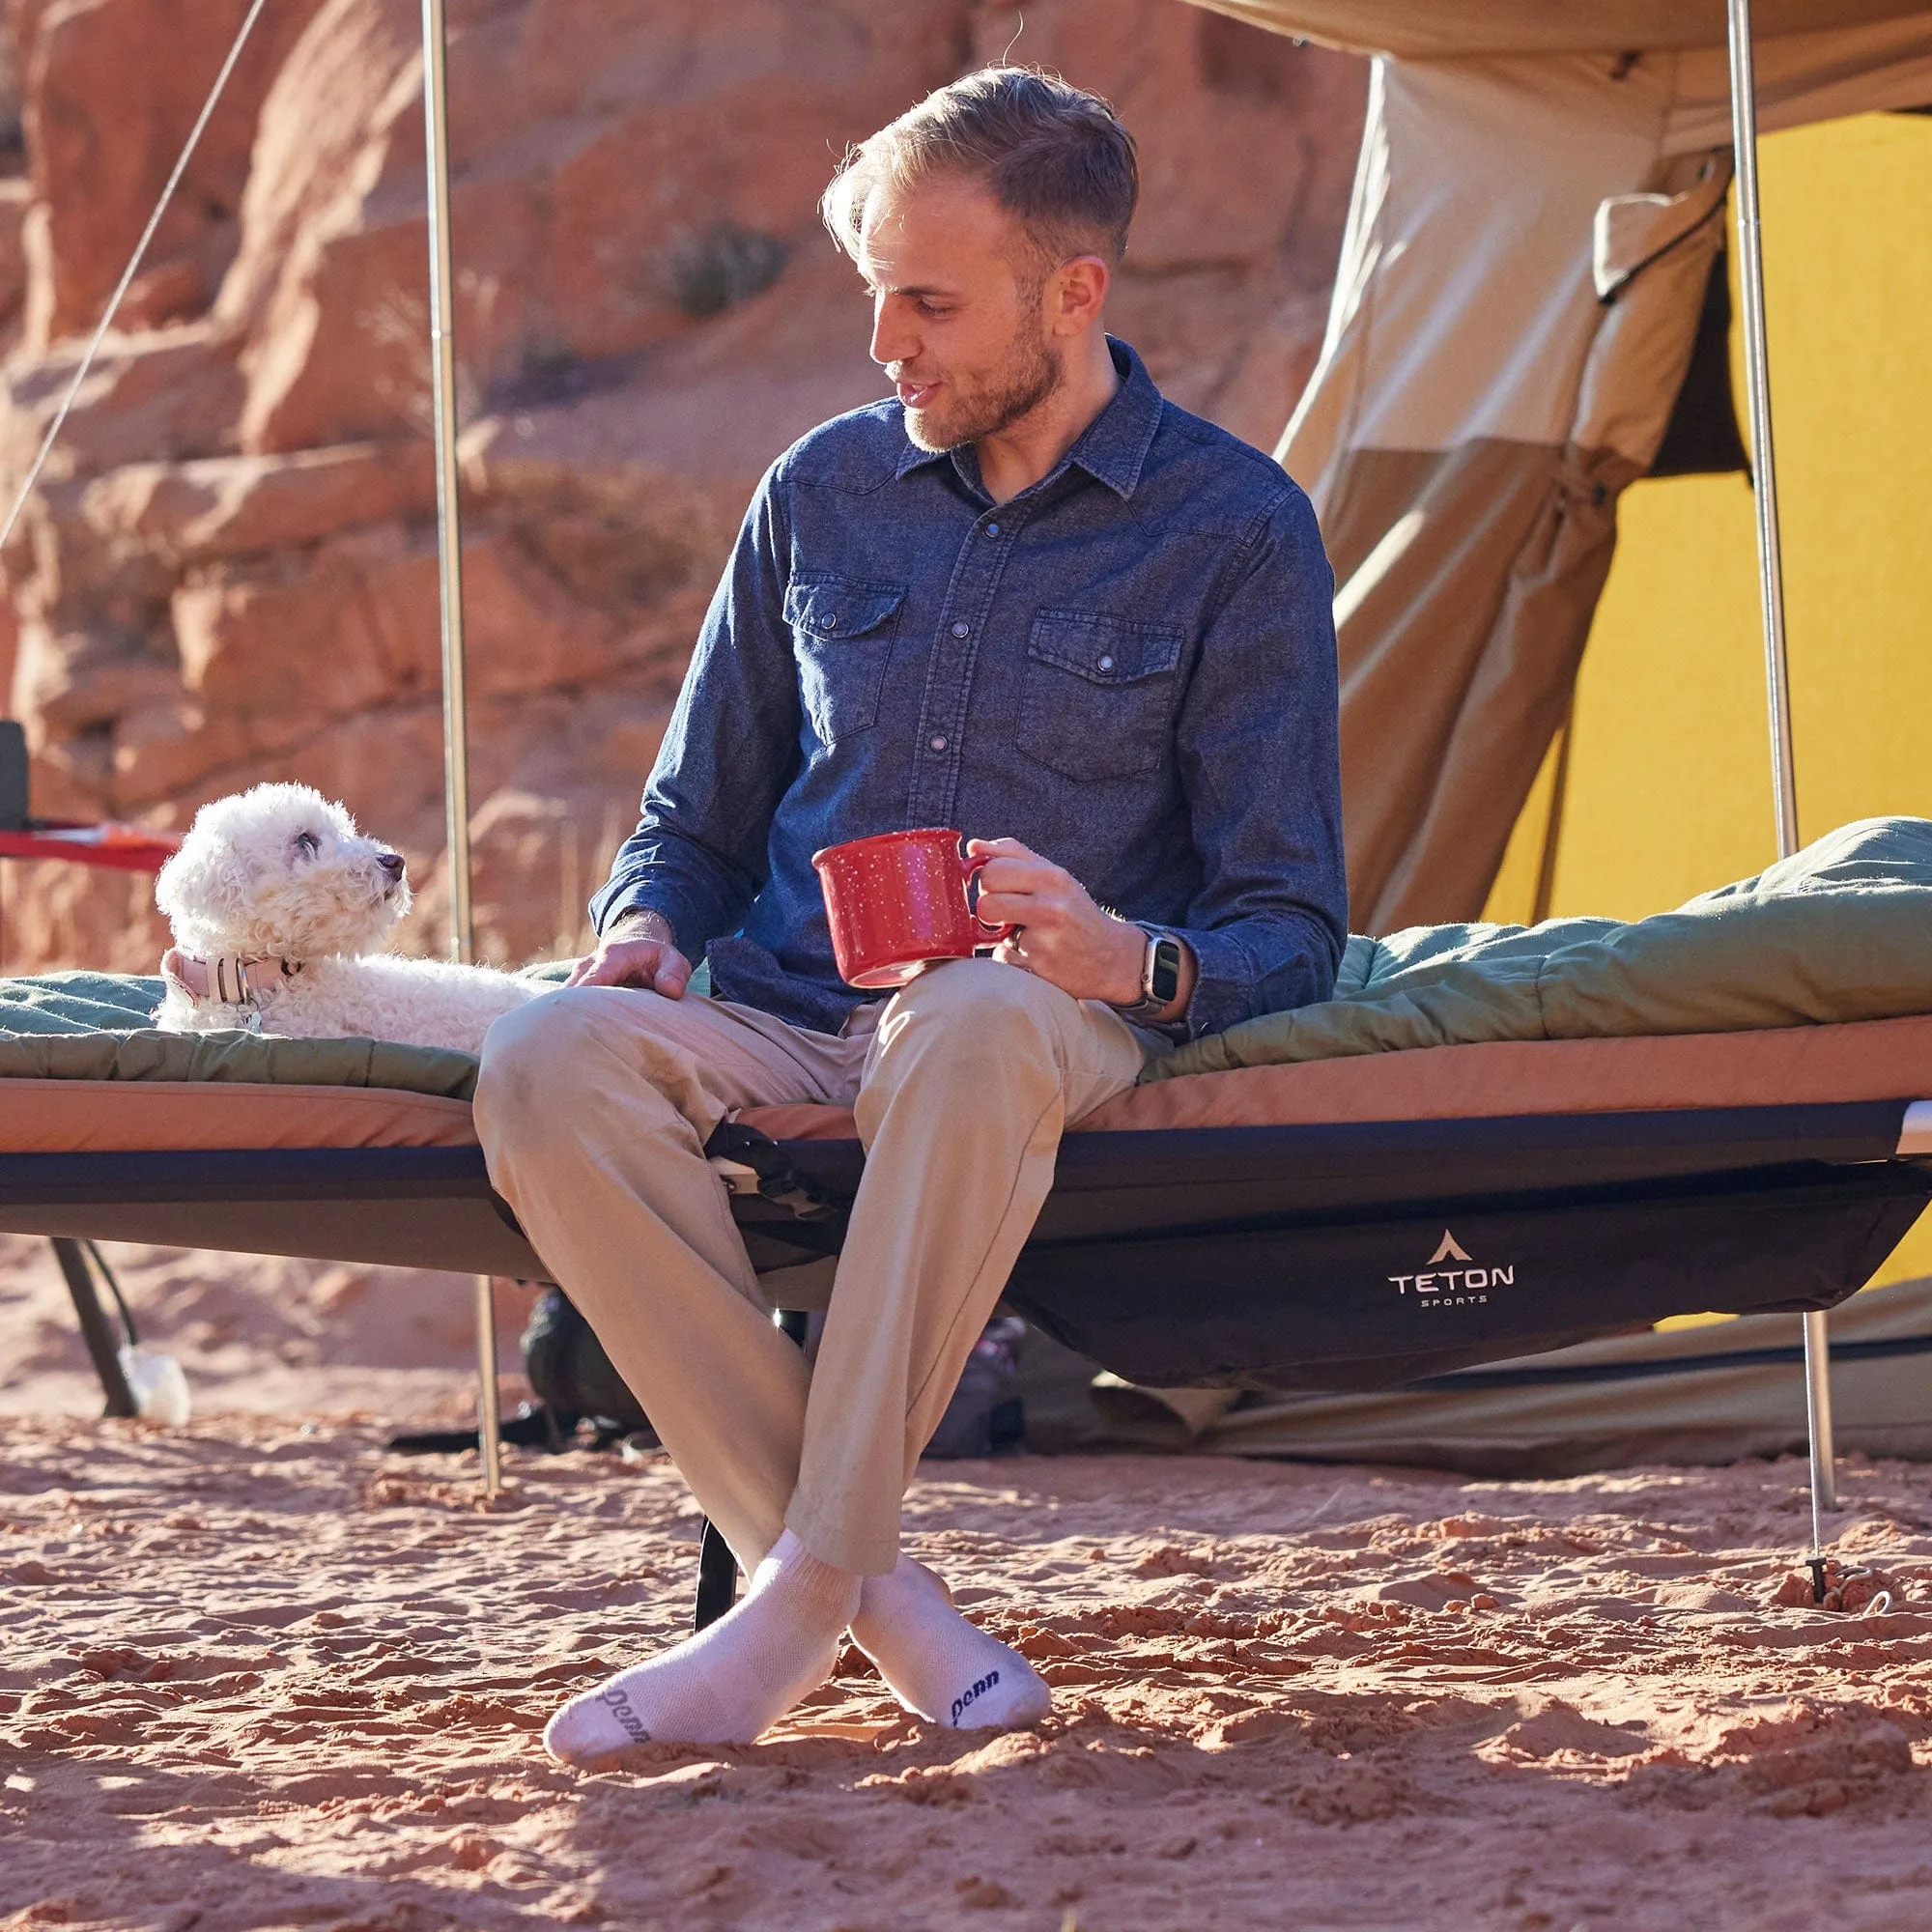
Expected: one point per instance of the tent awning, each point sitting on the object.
(1433, 30)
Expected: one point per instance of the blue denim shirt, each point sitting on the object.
(1130, 667)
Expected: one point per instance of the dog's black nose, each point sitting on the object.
(392, 863)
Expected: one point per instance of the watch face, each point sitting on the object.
(1164, 981)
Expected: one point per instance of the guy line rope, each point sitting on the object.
(132, 270)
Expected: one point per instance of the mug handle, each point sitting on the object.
(969, 871)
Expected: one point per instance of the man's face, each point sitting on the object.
(956, 326)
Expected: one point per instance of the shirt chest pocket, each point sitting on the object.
(1098, 694)
(842, 634)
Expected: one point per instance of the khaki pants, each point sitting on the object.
(593, 1107)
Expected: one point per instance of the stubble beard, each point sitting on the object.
(1036, 371)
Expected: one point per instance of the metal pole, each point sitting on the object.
(448, 514)
(1757, 391)
(489, 1414)
(1777, 664)
(449, 561)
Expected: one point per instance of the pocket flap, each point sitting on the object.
(1104, 649)
(841, 607)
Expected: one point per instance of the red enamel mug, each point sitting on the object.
(897, 900)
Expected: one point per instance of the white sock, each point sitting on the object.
(728, 1683)
(937, 1665)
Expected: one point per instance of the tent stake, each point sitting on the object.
(1777, 664)
(450, 563)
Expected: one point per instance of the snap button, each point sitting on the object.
(1106, 663)
(939, 743)
(992, 530)
(960, 630)
(830, 620)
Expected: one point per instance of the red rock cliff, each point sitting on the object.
(227, 572)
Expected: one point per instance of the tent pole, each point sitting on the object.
(1757, 387)
(450, 563)
(449, 515)
(1777, 664)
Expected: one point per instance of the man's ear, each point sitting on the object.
(1077, 295)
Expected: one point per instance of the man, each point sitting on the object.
(1027, 598)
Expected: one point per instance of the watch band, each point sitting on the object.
(1160, 973)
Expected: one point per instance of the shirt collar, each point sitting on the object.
(1112, 449)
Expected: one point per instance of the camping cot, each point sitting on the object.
(1275, 1228)
(1335, 1224)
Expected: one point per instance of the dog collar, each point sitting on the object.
(228, 980)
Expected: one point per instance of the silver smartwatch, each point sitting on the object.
(1160, 975)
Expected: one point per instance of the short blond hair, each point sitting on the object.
(1054, 156)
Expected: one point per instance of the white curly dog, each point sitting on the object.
(278, 906)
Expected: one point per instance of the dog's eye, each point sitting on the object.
(307, 844)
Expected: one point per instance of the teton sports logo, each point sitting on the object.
(1464, 1287)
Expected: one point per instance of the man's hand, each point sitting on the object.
(1067, 940)
(637, 950)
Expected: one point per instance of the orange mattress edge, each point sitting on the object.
(1866, 1060)
(1861, 1060)
(159, 1116)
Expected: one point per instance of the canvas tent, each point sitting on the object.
(1538, 207)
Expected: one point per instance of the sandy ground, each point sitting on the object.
(260, 1674)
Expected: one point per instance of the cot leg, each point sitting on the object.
(717, 1579)
(489, 1424)
(95, 1327)
(717, 1567)
(1818, 1423)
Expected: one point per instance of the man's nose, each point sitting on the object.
(892, 340)
(393, 863)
